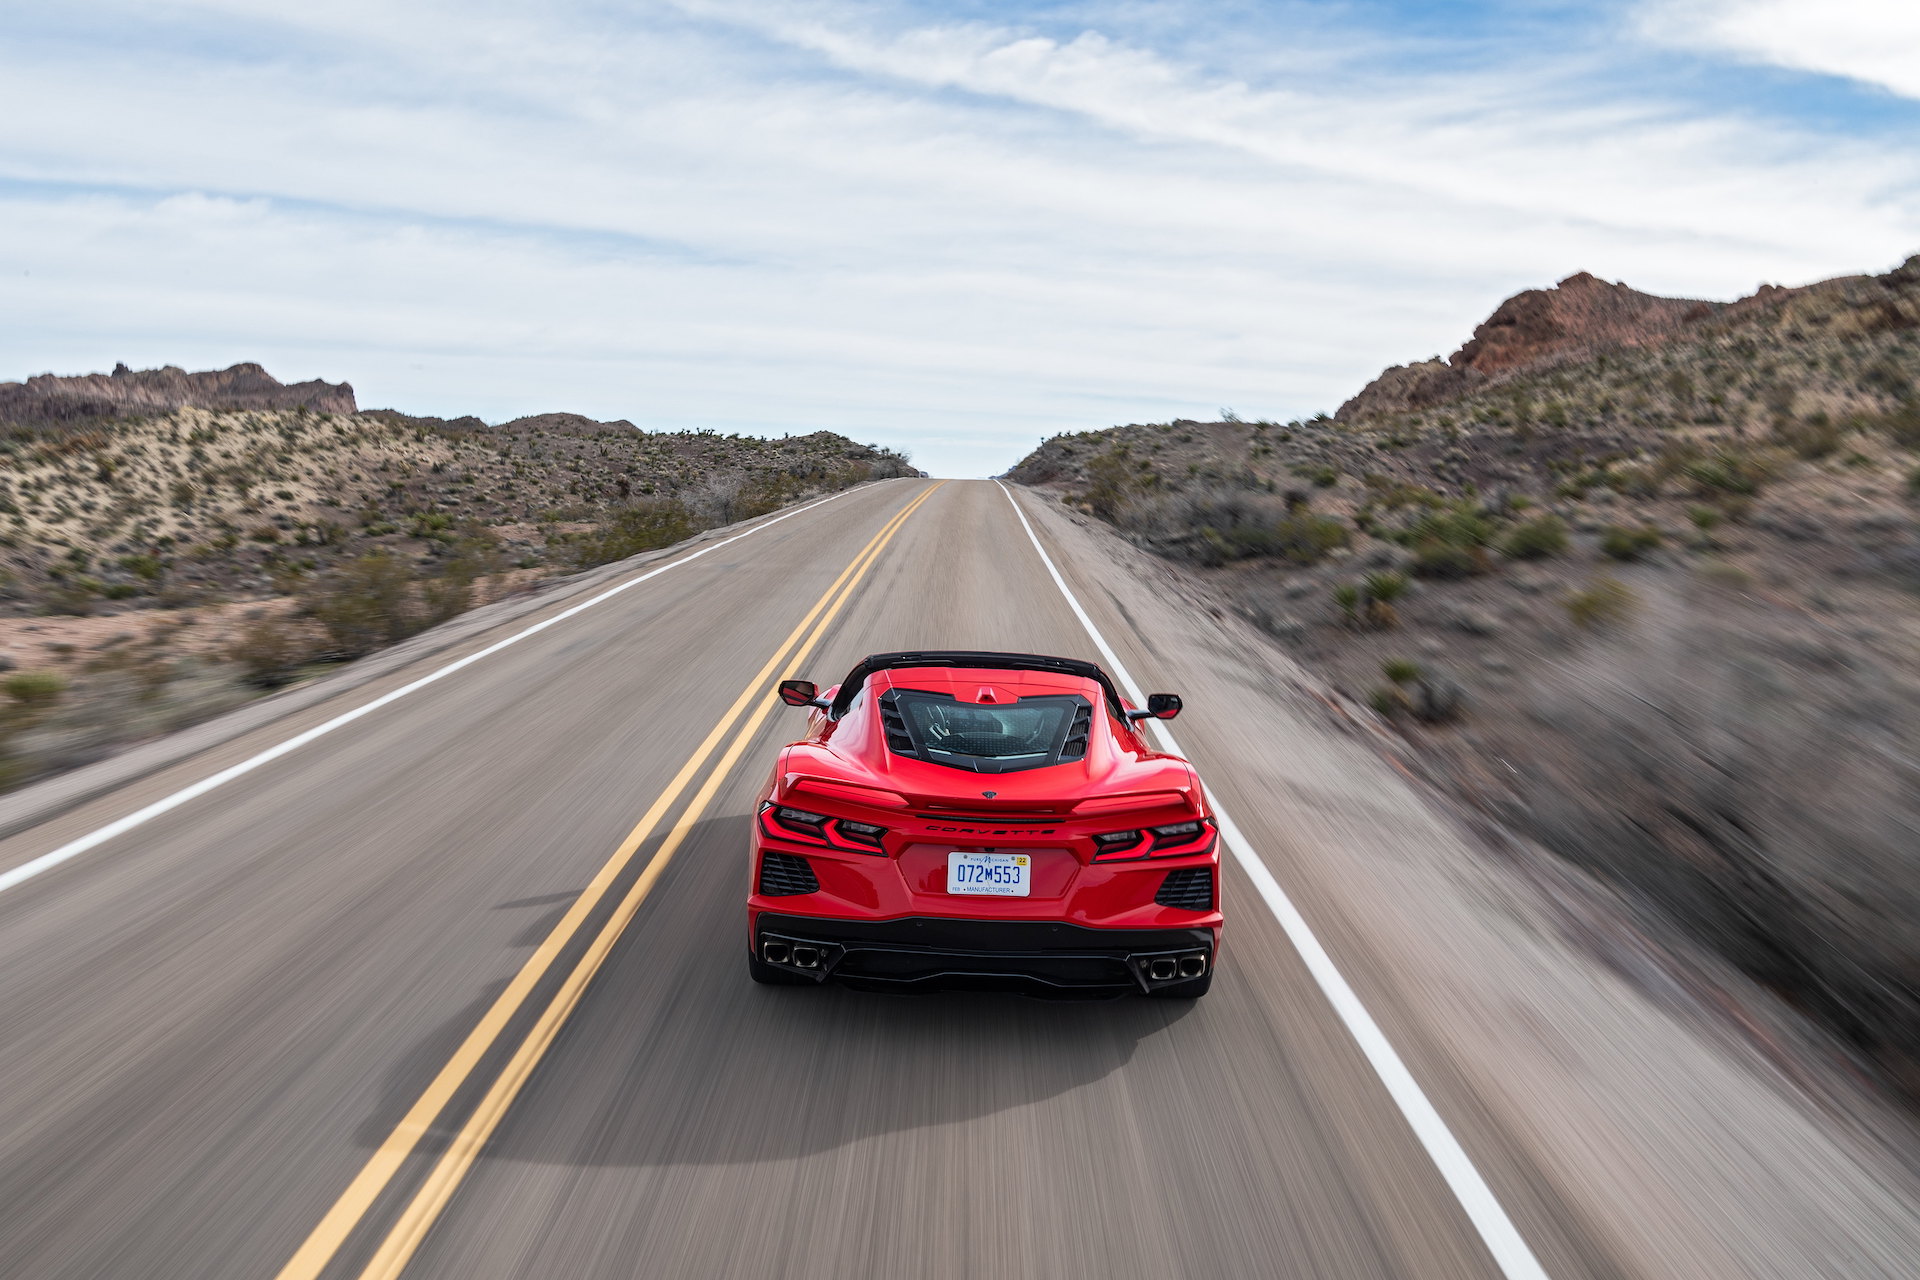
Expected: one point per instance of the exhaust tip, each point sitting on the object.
(1161, 970)
(775, 952)
(1192, 966)
(806, 957)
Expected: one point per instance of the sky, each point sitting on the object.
(953, 229)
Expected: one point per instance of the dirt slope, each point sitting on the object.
(1643, 585)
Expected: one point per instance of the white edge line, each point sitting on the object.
(1502, 1238)
(74, 848)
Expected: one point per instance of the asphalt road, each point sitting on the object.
(219, 1027)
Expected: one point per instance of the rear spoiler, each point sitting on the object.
(857, 678)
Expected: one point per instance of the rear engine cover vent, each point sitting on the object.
(784, 875)
(1075, 747)
(1188, 889)
(898, 740)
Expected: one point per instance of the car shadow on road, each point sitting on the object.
(675, 1057)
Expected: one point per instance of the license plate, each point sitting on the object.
(999, 875)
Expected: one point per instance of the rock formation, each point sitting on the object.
(136, 393)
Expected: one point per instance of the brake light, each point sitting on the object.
(1177, 833)
(1174, 840)
(800, 822)
(784, 822)
(862, 832)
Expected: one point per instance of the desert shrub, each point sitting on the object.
(1234, 524)
(1536, 539)
(1621, 543)
(1369, 602)
(270, 650)
(1302, 537)
(147, 568)
(71, 598)
(1436, 559)
(1576, 485)
(120, 590)
(475, 555)
(1385, 585)
(429, 524)
(364, 604)
(760, 496)
(1607, 602)
(1705, 519)
(1110, 480)
(445, 597)
(1400, 670)
(1729, 471)
(35, 688)
(645, 525)
(1809, 438)
(1457, 523)
(1449, 541)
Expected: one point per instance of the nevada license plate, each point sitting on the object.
(1001, 875)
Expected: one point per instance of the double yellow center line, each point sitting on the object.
(385, 1164)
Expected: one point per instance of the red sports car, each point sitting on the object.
(983, 819)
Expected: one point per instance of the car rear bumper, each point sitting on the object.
(1044, 956)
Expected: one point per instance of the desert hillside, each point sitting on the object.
(172, 542)
(1636, 577)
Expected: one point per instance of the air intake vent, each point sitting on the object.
(898, 740)
(1188, 889)
(782, 875)
(1075, 747)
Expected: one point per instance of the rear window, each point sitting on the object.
(986, 738)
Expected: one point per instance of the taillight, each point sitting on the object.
(800, 822)
(1174, 840)
(1112, 846)
(861, 832)
(787, 823)
(1177, 833)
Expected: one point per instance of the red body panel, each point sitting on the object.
(844, 769)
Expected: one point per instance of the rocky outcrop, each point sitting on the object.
(1576, 316)
(137, 393)
(1580, 312)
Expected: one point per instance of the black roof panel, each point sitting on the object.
(857, 678)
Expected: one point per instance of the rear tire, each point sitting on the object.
(772, 975)
(1192, 990)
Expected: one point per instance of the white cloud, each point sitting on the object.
(1876, 42)
(954, 237)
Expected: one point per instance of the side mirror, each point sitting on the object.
(1160, 706)
(800, 693)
